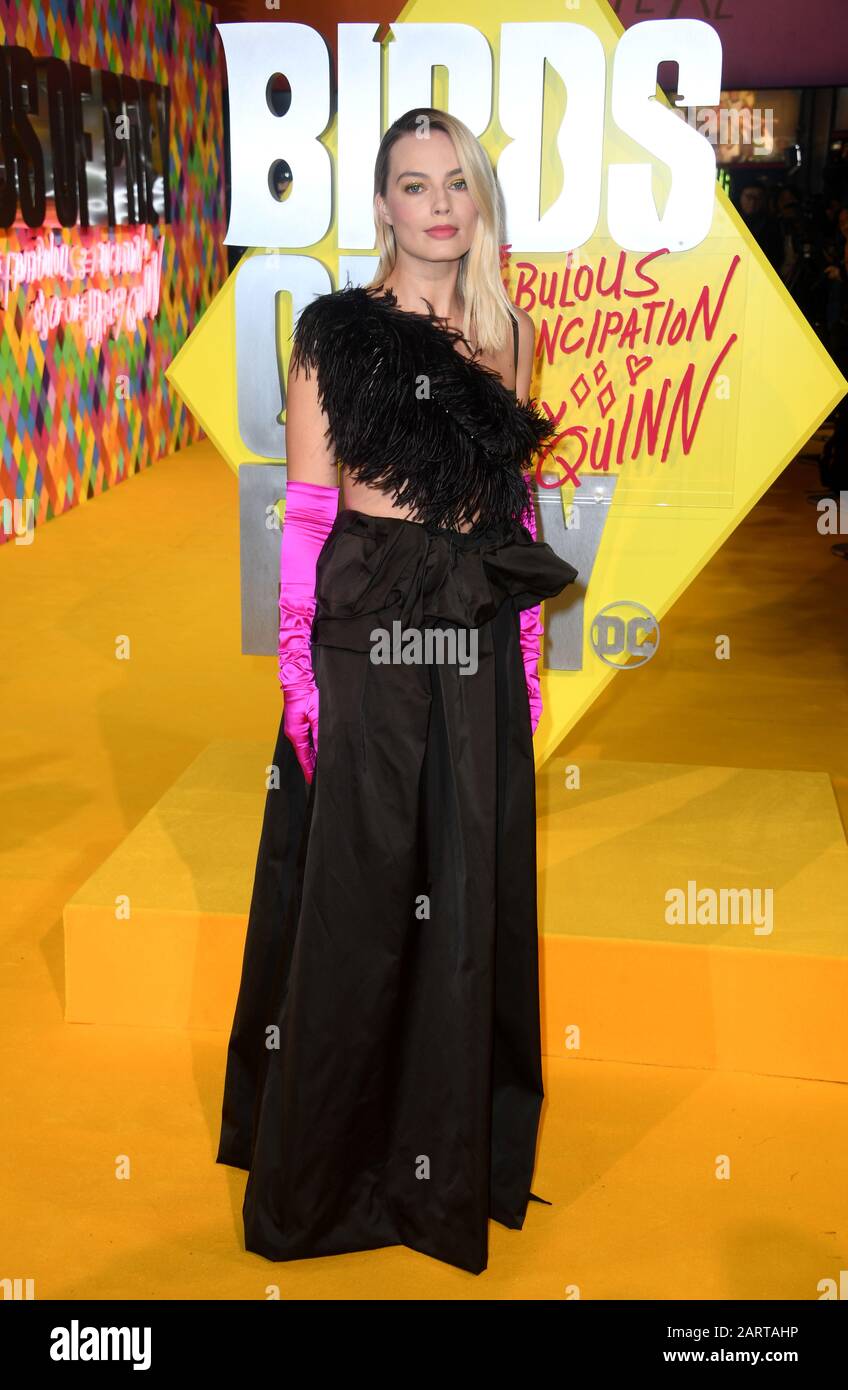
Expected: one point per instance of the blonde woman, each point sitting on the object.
(384, 1070)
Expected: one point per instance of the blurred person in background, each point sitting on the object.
(764, 228)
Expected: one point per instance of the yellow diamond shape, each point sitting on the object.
(764, 379)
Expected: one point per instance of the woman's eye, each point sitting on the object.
(408, 188)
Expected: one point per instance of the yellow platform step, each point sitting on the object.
(619, 981)
(627, 984)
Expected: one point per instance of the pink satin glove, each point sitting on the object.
(311, 509)
(531, 629)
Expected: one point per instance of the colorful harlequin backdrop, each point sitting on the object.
(76, 417)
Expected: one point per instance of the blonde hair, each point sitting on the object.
(488, 311)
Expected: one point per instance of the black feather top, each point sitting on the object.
(411, 415)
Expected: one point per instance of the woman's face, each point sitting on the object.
(427, 194)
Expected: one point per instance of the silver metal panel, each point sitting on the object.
(259, 282)
(578, 544)
(261, 485)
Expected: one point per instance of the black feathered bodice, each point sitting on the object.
(413, 416)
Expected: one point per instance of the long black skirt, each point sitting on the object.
(383, 1081)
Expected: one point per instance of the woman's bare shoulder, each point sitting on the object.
(526, 326)
(526, 352)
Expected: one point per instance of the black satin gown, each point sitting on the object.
(383, 1081)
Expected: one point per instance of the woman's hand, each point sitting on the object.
(300, 725)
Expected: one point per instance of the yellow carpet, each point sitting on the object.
(628, 1153)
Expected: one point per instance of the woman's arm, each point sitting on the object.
(526, 353)
(530, 619)
(310, 453)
